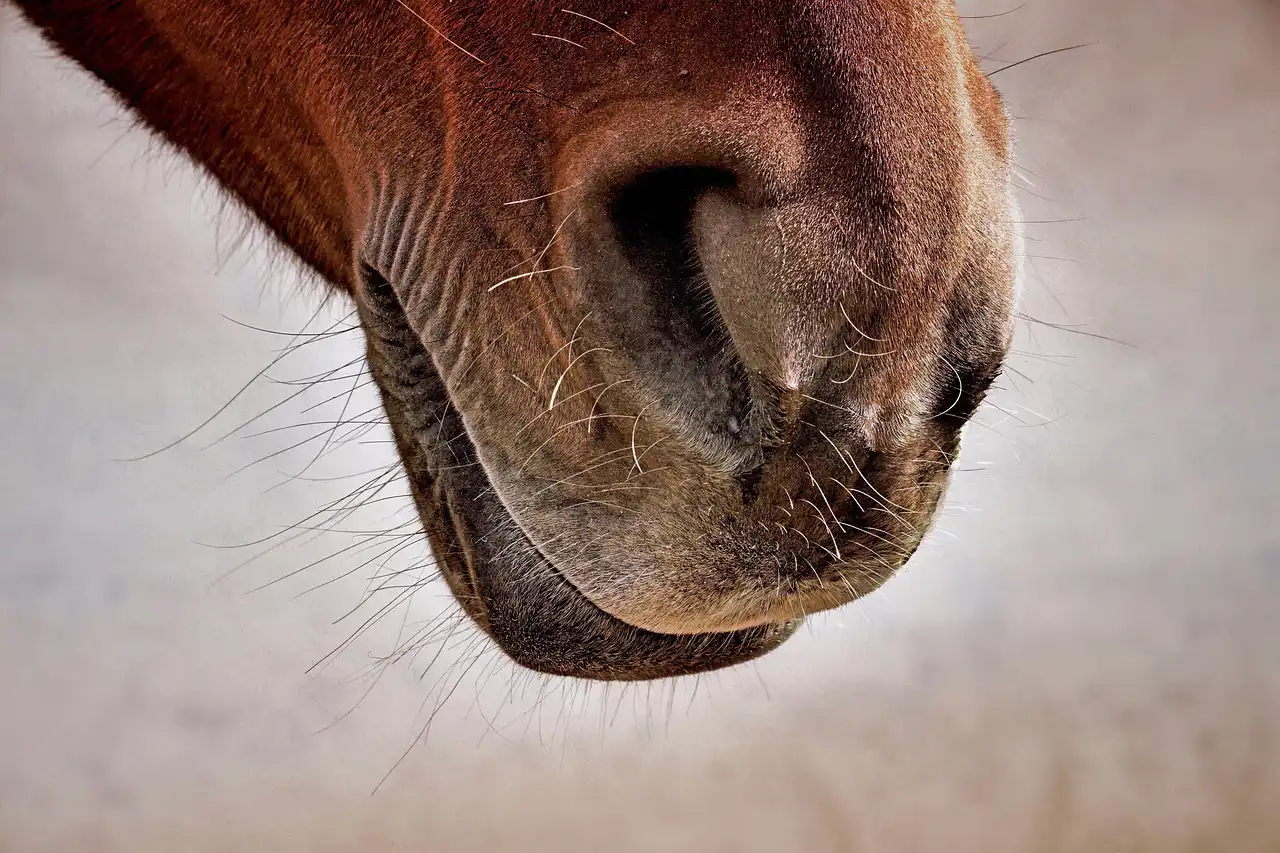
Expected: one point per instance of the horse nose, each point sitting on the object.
(682, 249)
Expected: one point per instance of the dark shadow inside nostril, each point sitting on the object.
(689, 349)
(653, 220)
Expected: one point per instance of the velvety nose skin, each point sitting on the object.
(760, 293)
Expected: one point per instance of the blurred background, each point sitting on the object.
(209, 649)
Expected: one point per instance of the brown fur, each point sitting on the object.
(677, 309)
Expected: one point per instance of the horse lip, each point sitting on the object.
(498, 576)
(548, 626)
(668, 654)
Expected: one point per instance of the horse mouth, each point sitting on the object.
(541, 620)
(497, 574)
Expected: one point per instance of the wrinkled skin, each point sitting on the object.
(677, 308)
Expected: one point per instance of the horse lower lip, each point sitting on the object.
(577, 638)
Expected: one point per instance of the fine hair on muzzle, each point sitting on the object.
(676, 310)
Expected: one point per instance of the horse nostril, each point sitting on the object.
(653, 221)
(673, 320)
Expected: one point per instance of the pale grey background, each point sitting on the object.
(1084, 658)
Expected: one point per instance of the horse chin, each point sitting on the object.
(540, 619)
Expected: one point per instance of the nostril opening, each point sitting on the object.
(654, 211)
(652, 220)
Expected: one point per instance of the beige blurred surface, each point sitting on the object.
(1085, 657)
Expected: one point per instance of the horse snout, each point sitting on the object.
(715, 376)
(757, 390)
